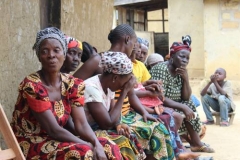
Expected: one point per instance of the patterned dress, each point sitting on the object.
(130, 148)
(34, 140)
(173, 88)
(153, 136)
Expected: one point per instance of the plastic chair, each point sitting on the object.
(14, 151)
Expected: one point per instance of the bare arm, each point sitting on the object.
(204, 91)
(107, 120)
(89, 68)
(179, 106)
(50, 125)
(186, 89)
(219, 88)
(70, 126)
(84, 130)
(82, 127)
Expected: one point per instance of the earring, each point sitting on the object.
(113, 81)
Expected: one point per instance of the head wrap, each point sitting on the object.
(115, 62)
(153, 58)
(143, 41)
(73, 42)
(51, 32)
(177, 46)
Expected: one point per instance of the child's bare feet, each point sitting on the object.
(188, 156)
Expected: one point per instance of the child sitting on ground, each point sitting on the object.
(217, 94)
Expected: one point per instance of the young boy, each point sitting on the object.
(217, 94)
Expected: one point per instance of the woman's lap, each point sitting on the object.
(130, 148)
(44, 148)
(153, 136)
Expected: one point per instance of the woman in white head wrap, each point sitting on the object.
(153, 59)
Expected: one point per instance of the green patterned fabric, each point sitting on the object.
(153, 136)
(173, 88)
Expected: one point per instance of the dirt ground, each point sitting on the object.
(224, 140)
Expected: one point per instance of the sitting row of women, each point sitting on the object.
(58, 116)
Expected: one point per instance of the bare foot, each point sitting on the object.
(188, 155)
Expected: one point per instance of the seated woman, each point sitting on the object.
(99, 98)
(95, 97)
(144, 45)
(174, 75)
(45, 102)
(73, 56)
(149, 97)
(153, 135)
(153, 59)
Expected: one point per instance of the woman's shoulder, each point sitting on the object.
(33, 78)
(160, 67)
(69, 79)
(92, 81)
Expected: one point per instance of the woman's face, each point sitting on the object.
(181, 58)
(130, 44)
(73, 59)
(119, 81)
(143, 55)
(51, 55)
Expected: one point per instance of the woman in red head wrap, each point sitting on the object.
(174, 76)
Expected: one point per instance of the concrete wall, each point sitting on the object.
(88, 20)
(186, 18)
(19, 23)
(221, 37)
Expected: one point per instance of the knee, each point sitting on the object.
(177, 117)
(204, 98)
(221, 99)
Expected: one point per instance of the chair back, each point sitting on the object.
(14, 151)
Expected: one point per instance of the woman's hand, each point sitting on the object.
(146, 116)
(98, 152)
(130, 84)
(182, 71)
(188, 113)
(123, 129)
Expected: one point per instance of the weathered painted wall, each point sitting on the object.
(19, 23)
(186, 18)
(221, 39)
(88, 20)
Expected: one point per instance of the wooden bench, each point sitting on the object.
(14, 151)
(217, 116)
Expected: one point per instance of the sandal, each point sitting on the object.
(204, 148)
(224, 124)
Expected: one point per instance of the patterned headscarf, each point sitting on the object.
(143, 41)
(115, 62)
(177, 46)
(51, 32)
(73, 42)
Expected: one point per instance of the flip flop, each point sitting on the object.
(204, 148)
